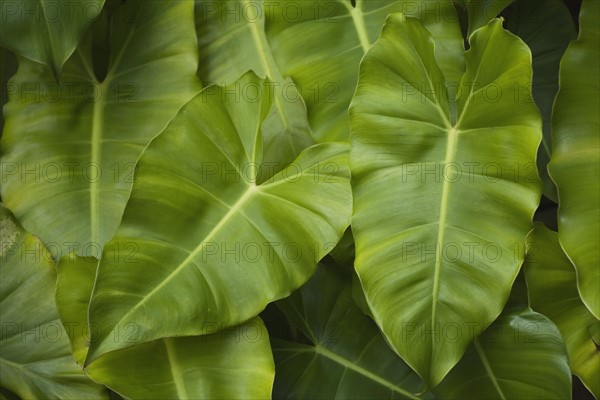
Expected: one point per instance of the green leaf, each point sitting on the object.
(6, 394)
(359, 296)
(35, 359)
(200, 367)
(442, 202)
(518, 298)
(347, 356)
(73, 288)
(343, 252)
(521, 356)
(46, 31)
(335, 36)
(547, 28)
(575, 161)
(203, 230)
(8, 67)
(233, 364)
(231, 36)
(72, 146)
(480, 12)
(552, 285)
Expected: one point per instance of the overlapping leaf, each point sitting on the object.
(72, 145)
(214, 247)
(547, 28)
(443, 200)
(320, 44)
(198, 367)
(552, 286)
(480, 12)
(35, 358)
(232, 40)
(46, 31)
(234, 364)
(575, 161)
(521, 356)
(347, 356)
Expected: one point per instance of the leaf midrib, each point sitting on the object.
(96, 156)
(50, 38)
(360, 370)
(96, 140)
(235, 208)
(267, 63)
(25, 370)
(175, 370)
(451, 146)
(358, 21)
(488, 368)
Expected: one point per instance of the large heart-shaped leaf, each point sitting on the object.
(200, 367)
(347, 356)
(521, 356)
(334, 37)
(552, 286)
(232, 40)
(72, 146)
(213, 247)
(46, 31)
(35, 358)
(443, 200)
(575, 162)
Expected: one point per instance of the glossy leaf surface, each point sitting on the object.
(432, 188)
(213, 247)
(521, 356)
(232, 40)
(575, 162)
(198, 367)
(233, 364)
(334, 37)
(72, 146)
